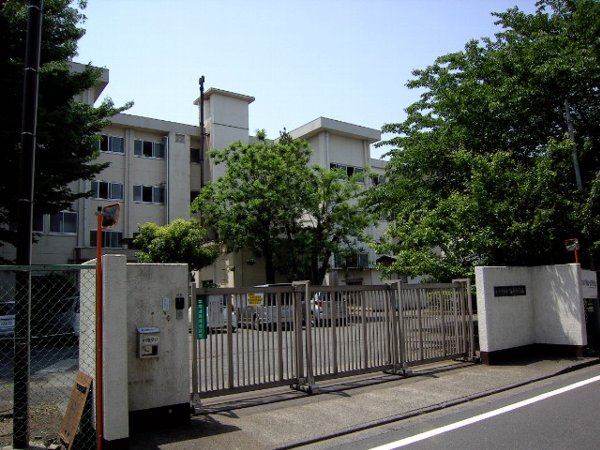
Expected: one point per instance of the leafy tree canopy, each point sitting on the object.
(272, 202)
(333, 223)
(181, 241)
(67, 129)
(482, 168)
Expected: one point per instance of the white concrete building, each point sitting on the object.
(157, 167)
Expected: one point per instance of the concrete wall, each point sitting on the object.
(551, 311)
(164, 380)
(138, 392)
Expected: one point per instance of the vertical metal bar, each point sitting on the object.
(420, 323)
(335, 307)
(394, 351)
(443, 321)
(309, 350)
(252, 363)
(364, 331)
(456, 327)
(298, 341)
(280, 350)
(261, 337)
(195, 368)
(228, 306)
(400, 305)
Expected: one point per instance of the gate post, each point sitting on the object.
(303, 384)
(399, 363)
(468, 321)
(195, 369)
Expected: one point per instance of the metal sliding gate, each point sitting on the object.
(300, 334)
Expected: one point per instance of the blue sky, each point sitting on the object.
(344, 59)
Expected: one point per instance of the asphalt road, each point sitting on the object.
(557, 413)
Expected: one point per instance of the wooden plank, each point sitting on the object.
(72, 418)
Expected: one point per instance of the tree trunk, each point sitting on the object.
(269, 267)
(322, 270)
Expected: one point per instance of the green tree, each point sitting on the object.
(333, 223)
(272, 202)
(181, 241)
(482, 168)
(259, 195)
(67, 130)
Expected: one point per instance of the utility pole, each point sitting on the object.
(24, 225)
(571, 130)
(575, 156)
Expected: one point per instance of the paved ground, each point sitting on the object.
(280, 418)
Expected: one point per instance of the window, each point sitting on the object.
(354, 260)
(110, 239)
(148, 149)
(347, 170)
(107, 190)
(64, 222)
(113, 144)
(193, 195)
(377, 179)
(195, 155)
(148, 194)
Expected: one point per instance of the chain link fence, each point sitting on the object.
(58, 349)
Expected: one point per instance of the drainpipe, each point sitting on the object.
(168, 183)
(202, 133)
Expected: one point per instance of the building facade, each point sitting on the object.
(157, 167)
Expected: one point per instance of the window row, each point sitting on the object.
(148, 194)
(113, 144)
(105, 190)
(64, 222)
(355, 260)
(149, 149)
(141, 148)
(110, 239)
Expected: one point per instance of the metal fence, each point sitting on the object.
(37, 374)
(300, 334)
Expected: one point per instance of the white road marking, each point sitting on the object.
(480, 417)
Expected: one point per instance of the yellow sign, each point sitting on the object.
(255, 299)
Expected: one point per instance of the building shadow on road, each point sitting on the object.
(198, 427)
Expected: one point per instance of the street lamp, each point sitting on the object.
(107, 217)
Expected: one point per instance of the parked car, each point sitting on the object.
(326, 306)
(74, 319)
(217, 308)
(259, 309)
(58, 319)
(7, 319)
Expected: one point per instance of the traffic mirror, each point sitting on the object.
(110, 215)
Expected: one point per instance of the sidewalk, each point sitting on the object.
(281, 417)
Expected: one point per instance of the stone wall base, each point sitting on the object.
(532, 350)
(161, 417)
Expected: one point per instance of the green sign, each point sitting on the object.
(201, 317)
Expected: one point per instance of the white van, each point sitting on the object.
(263, 314)
(217, 309)
(7, 319)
